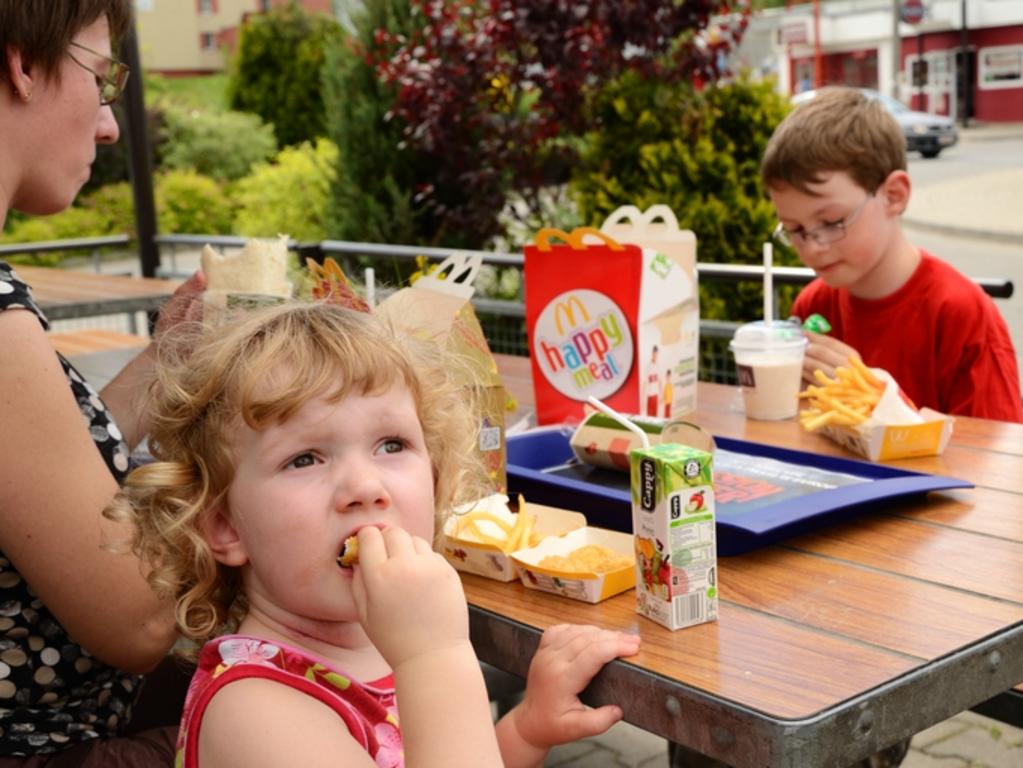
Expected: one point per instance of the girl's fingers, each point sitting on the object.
(371, 546)
(398, 542)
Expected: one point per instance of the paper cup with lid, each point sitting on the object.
(769, 361)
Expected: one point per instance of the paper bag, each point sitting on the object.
(438, 306)
(678, 325)
(604, 320)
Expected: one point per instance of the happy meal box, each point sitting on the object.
(673, 524)
(612, 320)
(438, 306)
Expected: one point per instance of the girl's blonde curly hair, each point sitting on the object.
(260, 367)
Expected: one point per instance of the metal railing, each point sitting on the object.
(502, 319)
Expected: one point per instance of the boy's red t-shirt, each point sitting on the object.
(940, 336)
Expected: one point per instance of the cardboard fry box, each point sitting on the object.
(484, 559)
(885, 442)
(586, 586)
(438, 307)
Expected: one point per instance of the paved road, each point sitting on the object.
(967, 208)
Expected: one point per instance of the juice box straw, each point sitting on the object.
(768, 284)
(643, 439)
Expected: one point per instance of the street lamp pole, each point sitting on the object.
(818, 58)
(963, 75)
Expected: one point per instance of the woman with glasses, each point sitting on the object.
(78, 622)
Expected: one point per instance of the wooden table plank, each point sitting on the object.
(746, 657)
(973, 562)
(63, 294)
(876, 607)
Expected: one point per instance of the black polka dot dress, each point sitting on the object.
(52, 692)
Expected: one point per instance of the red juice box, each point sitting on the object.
(673, 526)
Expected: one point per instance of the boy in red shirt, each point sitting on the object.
(836, 172)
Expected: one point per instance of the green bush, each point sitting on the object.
(221, 145)
(275, 72)
(69, 223)
(698, 152)
(114, 206)
(188, 203)
(288, 196)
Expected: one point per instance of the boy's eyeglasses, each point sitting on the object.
(825, 234)
(110, 85)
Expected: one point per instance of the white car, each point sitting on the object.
(925, 133)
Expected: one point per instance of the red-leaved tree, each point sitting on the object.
(496, 91)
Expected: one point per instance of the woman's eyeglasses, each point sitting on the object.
(825, 234)
(110, 85)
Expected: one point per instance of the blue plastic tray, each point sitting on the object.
(784, 498)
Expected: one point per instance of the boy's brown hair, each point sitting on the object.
(42, 30)
(838, 130)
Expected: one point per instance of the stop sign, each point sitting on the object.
(912, 11)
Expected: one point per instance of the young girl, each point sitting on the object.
(286, 432)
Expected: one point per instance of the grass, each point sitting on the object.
(201, 91)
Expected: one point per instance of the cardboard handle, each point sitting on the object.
(574, 238)
(630, 214)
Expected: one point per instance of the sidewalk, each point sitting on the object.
(986, 206)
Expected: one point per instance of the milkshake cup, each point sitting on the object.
(769, 361)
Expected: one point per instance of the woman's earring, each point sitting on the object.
(26, 96)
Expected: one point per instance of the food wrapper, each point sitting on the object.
(438, 307)
(895, 428)
(605, 442)
(256, 275)
(590, 587)
(462, 547)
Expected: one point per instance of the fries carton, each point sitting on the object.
(886, 442)
(588, 586)
(474, 537)
(864, 410)
(673, 525)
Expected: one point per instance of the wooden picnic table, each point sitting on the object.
(830, 645)
(64, 294)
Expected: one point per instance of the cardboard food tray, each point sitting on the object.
(541, 465)
(588, 587)
(493, 562)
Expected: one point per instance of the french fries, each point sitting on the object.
(488, 528)
(846, 400)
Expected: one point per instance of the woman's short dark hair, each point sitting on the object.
(42, 29)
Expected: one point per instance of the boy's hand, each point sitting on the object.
(568, 657)
(825, 353)
(410, 599)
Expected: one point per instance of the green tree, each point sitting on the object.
(221, 144)
(275, 72)
(373, 199)
(699, 152)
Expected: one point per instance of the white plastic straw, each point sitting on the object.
(768, 283)
(643, 439)
(371, 287)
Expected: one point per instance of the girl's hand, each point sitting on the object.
(410, 599)
(568, 657)
(824, 353)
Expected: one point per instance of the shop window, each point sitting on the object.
(1001, 67)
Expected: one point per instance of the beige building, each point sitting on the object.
(191, 37)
